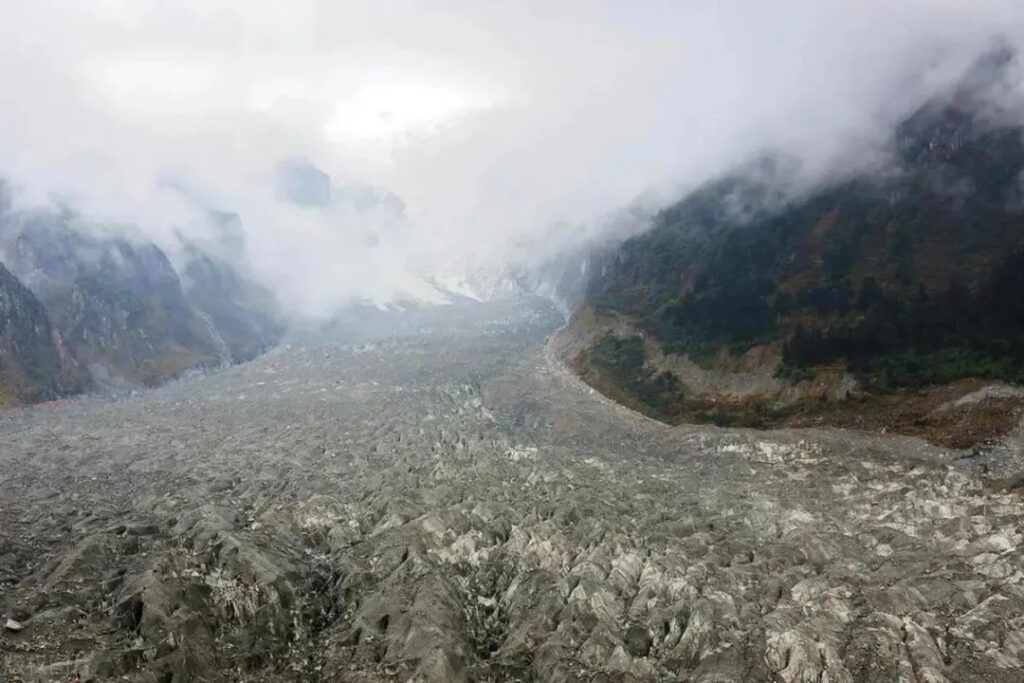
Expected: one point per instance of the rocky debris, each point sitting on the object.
(12, 625)
(450, 505)
(986, 393)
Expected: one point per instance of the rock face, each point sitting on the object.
(449, 504)
(243, 316)
(35, 365)
(119, 304)
(300, 183)
(121, 308)
(908, 278)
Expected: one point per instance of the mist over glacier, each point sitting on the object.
(445, 147)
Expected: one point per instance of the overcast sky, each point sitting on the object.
(499, 124)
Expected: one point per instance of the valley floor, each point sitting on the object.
(452, 504)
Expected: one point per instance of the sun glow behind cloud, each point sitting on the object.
(382, 112)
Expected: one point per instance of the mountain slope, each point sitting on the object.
(907, 279)
(119, 304)
(34, 364)
(244, 315)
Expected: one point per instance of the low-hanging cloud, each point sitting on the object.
(507, 129)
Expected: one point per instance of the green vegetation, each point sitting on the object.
(622, 360)
(906, 280)
(926, 338)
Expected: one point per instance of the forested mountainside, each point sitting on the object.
(118, 310)
(905, 279)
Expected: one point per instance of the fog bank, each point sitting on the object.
(367, 146)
